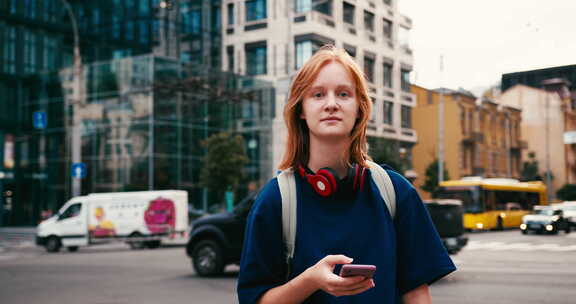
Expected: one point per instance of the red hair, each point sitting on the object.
(297, 146)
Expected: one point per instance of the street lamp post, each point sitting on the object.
(76, 144)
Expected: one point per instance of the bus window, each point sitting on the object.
(471, 200)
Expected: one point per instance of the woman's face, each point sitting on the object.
(330, 106)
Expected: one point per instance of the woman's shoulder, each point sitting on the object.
(268, 199)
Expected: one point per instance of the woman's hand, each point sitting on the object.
(322, 275)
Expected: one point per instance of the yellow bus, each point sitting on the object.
(494, 203)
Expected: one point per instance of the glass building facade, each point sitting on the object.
(153, 92)
(142, 121)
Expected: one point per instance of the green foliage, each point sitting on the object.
(223, 164)
(431, 181)
(567, 192)
(385, 151)
(530, 170)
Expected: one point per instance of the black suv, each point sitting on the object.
(216, 240)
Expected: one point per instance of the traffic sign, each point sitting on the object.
(79, 170)
(39, 119)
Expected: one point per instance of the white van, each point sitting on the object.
(141, 219)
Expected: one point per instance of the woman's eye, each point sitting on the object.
(318, 95)
(344, 94)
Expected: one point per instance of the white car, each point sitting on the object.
(545, 219)
(569, 209)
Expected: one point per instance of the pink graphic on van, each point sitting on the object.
(160, 217)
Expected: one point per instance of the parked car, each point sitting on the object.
(447, 215)
(545, 219)
(569, 210)
(216, 240)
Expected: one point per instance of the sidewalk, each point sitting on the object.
(11, 235)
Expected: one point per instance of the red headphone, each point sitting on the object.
(326, 182)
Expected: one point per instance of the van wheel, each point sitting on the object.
(72, 248)
(53, 244)
(207, 258)
(136, 245)
(153, 244)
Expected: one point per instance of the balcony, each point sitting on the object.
(315, 16)
(471, 138)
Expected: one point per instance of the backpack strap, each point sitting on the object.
(385, 186)
(287, 185)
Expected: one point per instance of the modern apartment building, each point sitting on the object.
(481, 138)
(271, 39)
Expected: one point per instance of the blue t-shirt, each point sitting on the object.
(406, 251)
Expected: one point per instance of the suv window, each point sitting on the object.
(72, 211)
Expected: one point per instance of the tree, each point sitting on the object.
(567, 192)
(431, 182)
(223, 165)
(385, 151)
(530, 170)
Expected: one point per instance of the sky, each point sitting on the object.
(481, 40)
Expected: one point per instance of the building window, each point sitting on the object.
(10, 50)
(13, 6)
(144, 33)
(351, 50)
(256, 59)
(230, 55)
(29, 52)
(348, 13)
(369, 68)
(304, 50)
(388, 2)
(216, 19)
(302, 6)
(30, 8)
(404, 37)
(50, 48)
(192, 21)
(230, 13)
(406, 117)
(388, 75)
(388, 112)
(255, 10)
(387, 28)
(324, 7)
(405, 79)
(369, 21)
(130, 30)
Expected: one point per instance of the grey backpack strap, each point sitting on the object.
(385, 186)
(287, 185)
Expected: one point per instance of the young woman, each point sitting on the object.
(326, 116)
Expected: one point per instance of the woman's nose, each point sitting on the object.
(331, 102)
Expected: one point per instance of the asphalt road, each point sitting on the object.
(497, 267)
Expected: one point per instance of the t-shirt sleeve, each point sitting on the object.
(422, 258)
(262, 266)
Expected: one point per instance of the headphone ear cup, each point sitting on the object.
(331, 177)
(321, 185)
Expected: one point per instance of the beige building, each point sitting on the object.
(545, 118)
(481, 138)
(272, 39)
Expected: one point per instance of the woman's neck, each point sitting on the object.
(332, 154)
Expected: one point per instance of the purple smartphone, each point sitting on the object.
(353, 270)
